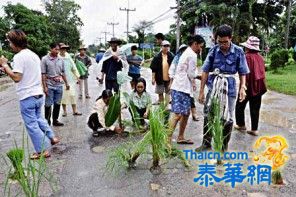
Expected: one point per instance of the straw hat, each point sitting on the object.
(64, 46)
(82, 47)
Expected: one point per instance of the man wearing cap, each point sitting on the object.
(160, 71)
(111, 63)
(256, 87)
(83, 79)
(53, 79)
(223, 61)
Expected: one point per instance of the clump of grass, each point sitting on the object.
(27, 173)
(277, 178)
(155, 139)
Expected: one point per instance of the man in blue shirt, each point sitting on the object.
(223, 61)
(135, 62)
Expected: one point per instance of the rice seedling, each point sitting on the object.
(277, 178)
(154, 140)
(28, 174)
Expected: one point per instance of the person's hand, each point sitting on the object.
(201, 97)
(3, 60)
(153, 81)
(242, 94)
(67, 87)
(145, 115)
(118, 129)
(101, 80)
(45, 90)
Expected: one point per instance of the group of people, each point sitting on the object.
(174, 76)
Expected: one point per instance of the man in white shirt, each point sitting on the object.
(183, 86)
(27, 75)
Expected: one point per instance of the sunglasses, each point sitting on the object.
(166, 45)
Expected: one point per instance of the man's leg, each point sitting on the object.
(86, 88)
(42, 122)
(56, 108)
(80, 88)
(172, 125)
(183, 124)
(115, 86)
(48, 104)
(28, 111)
(228, 124)
(255, 104)
(240, 113)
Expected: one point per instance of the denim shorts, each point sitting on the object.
(54, 95)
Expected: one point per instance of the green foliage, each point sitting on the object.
(33, 23)
(16, 157)
(62, 15)
(155, 139)
(279, 58)
(6, 54)
(113, 110)
(215, 125)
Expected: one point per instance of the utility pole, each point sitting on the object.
(113, 24)
(105, 32)
(288, 24)
(127, 10)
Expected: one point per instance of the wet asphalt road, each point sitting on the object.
(78, 162)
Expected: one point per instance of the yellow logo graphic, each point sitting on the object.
(274, 151)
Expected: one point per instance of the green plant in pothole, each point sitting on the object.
(155, 142)
(27, 173)
(215, 126)
(277, 178)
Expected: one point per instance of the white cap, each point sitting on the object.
(165, 42)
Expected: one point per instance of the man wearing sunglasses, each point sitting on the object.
(223, 61)
(160, 71)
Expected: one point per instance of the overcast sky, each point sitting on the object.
(96, 13)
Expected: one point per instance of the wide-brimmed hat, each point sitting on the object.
(82, 47)
(115, 40)
(64, 46)
(252, 43)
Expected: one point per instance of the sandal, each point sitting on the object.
(195, 118)
(36, 156)
(77, 114)
(64, 114)
(54, 141)
(184, 141)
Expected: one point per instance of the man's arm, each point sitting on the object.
(204, 79)
(15, 76)
(242, 88)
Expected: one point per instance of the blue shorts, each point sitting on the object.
(181, 103)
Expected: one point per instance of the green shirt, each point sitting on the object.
(142, 101)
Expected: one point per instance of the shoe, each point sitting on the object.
(54, 140)
(36, 156)
(77, 114)
(88, 97)
(203, 148)
(57, 123)
(240, 128)
(64, 114)
(254, 133)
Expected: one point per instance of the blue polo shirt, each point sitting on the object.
(231, 63)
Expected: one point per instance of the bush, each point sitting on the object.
(294, 56)
(279, 58)
(6, 54)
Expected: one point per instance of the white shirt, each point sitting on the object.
(27, 63)
(101, 108)
(185, 72)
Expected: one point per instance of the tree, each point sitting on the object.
(62, 14)
(33, 23)
(141, 28)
